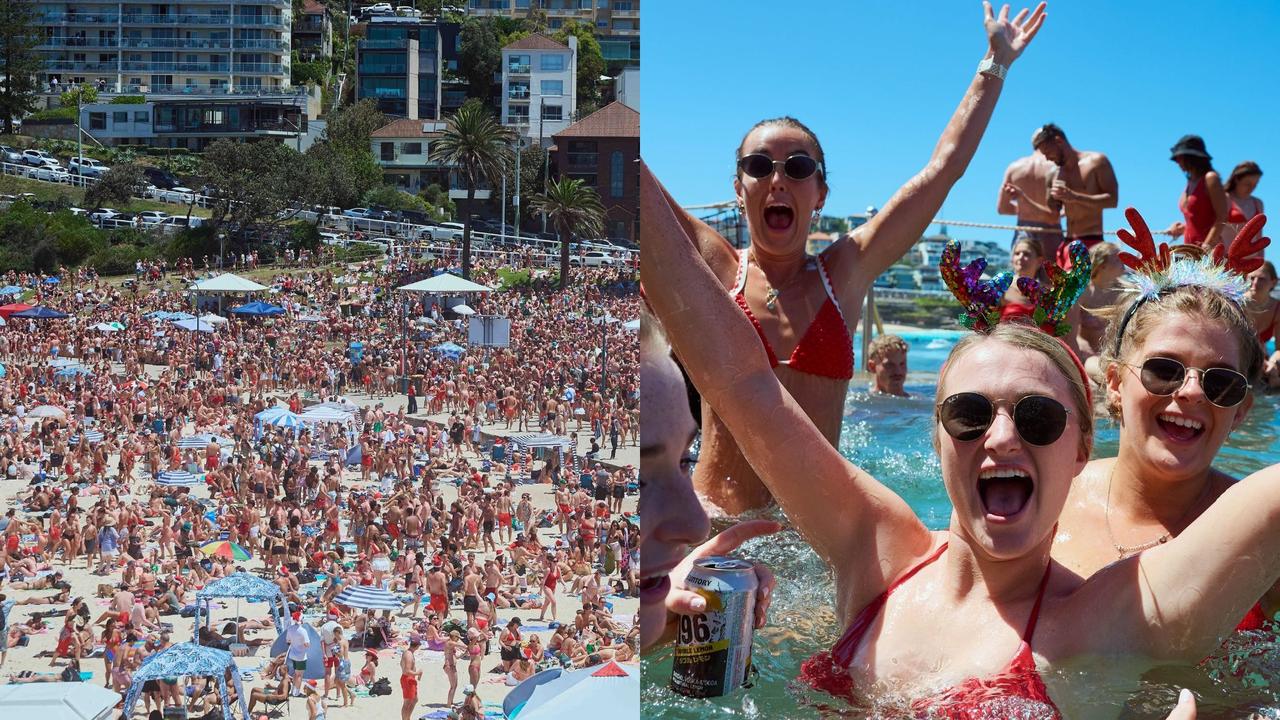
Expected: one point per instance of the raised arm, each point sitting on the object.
(1179, 600)
(891, 233)
(851, 520)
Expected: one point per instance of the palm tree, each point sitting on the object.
(574, 209)
(475, 143)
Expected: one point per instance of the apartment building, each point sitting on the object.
(194, 122)
(539, 86)
(313, 33)
(616, 22)
(401, 63)
(603, 150)
(193, 47)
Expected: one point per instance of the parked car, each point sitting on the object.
(359, 212)
(51, 172)
(97, 215)
(37, 157)
(87, 166)
(10, 155)
(408, 11)
(160, 177)
(378, 9)
(593, 258)
(152, 217)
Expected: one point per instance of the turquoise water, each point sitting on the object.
(890, 438)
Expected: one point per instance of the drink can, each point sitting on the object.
(713, 648)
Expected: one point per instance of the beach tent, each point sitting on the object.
(343, 405)
(581, 693)
(93, 436)
(3, 372)
(189, 659)
(449, 350)
(195, 324)
(213, 319)
(445, 283)
(11, 308)
(228, 283)
(242, 586)
(157, 315)
(320, 414)
(368, 597)
(10, 290)
(258, 309)
(315, 654)
(180, 316)
(58, 701)
(200, 441)
(41, 313)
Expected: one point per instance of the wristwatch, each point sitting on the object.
(989, 66)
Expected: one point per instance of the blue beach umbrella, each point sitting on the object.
(93, 436)
(177, 477)
(449, 350)
(258, 309)
(41, 313)
(10, 290)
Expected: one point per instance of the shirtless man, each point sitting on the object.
(438, 589)
(1024, 192)
(1082, 186)
(409, 675)
(504, 516)
(471, 586)
(564, 506)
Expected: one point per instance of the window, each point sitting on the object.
(552, 63)
(97, 121)
(555, 23)
(120, 118)
(518, 90)
(388, 151)
(518, 114)
(582, 153)
(213, 117)
(552, 87)
(412, 148)
(588, 179)
(619, 230)
(624, 24)
(522, 4)
(518, 64)
(553, 112)
(142, 117)
(615, 174)
(622, 5)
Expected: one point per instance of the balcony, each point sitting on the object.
(262, 20)
(256, 44)
(176, 19)
(205, 90)
(384, 44)
(70, 65)
(183, 43)
(259, 68)
(518, 69)
(60, 42)
(310, 24)
(79, 18)
(517, 93)
(169, 67)
(382, 69)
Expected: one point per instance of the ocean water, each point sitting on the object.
(890, 438)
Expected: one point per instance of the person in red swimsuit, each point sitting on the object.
(1204, 202)
(1013, 428)
(805, 308)
(1240, 185)
(1026, 261)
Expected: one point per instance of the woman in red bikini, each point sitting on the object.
(1204, 202)
(1013, 428)
(805, 309)
(1026, 261)
(1264, 311)
(1240, 186)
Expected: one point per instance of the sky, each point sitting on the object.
(878, 81)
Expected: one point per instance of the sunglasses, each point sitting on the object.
(1223, 387)
(796, 167)
(1039, 420)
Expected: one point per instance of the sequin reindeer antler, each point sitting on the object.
(979, 298)
(1150, 258)
(1245, 254)
(1053, 299)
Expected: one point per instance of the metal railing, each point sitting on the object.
(521, 69)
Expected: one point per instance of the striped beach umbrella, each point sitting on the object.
(194, 442)
(93, 436)
(226, 549)
(177, 477)
(367, 597)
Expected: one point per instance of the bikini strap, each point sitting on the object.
(1035, 609)
(826, 285)
(842, 651)
(740, 283)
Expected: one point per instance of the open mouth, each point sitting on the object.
(779, 217)
(1005, 492)
(654, 589)
(1180, 428)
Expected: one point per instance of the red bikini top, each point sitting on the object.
(825, 349)
(829, 671)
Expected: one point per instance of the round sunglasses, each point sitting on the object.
(1040, 420)
(1163, 376)
(796, 167)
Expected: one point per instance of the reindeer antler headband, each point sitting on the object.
(981, 298)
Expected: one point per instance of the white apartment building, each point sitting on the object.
(539, 86)
(192, 47)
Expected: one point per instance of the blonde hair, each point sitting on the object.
(883, 344)
(1098, 256)
(1033, 244)
(1028, 337)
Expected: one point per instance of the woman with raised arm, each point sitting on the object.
(805, 309)
(1013, 428)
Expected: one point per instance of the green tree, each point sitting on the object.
(254, 183)
(393, 198)
(574, 209)
(19, 63)
(81, 94)
(119, 184)
(590, 65)
(338, 175)
(479, 56)
(479, 147)
(439, 205)
(531, 159)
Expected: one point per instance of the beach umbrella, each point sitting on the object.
(11, 308)
(3, 372)
(463, 310)
(194, 324)
(72, 371)
(200, 441)
(52, 281)
(582, 693)
(285, 420)
(43, 411)
(449, 350)
(367, 597)
(225, 549)
(10, 290)
(258, 309)
(58, 701)
(175, 316)
(41, 313)
(106, 327)
(212, 319)
(93, 436)
(116, 325)
(177, 477)
(3, 322)
(157, 315)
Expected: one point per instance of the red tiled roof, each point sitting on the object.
(536, 42)
(402, 128)
(311, 7)
(612, 120)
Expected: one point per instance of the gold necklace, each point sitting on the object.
(1125, 551)
(770, 292)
